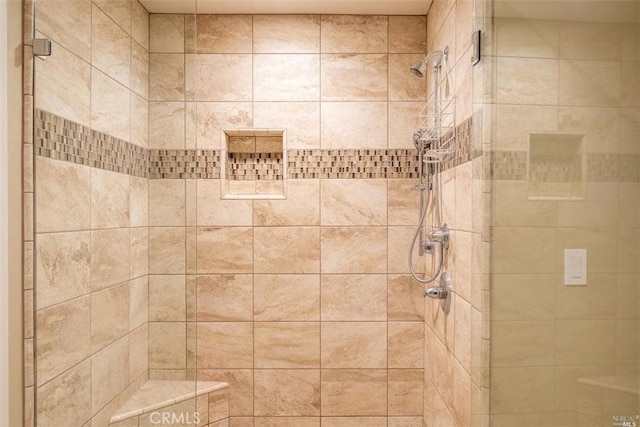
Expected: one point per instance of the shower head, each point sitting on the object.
(419, 68)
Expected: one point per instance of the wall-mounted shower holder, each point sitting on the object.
(440, 235)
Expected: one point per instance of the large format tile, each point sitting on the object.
(225, 345)
(110, 106)
(287, 250)
(408, 34)
(66, 397)
(287, 344)
(224, 33)
(64, 85)
(403, 86)
(300, 119)
(527, 81)
(212, 117)
(166, 33)
(354, 34)
(139, 70)
(167, 253)
(353, 202)
(273, 33)
(63, 267)
(353, 392)
(338, 254)
(63, 337)
(109, 199)
(224, 77)
(224, 298)
(354, 77)
(167, 125)
(287, 392)
(109, 373)
(352, 125)
(286, 297)
(354, 345)
(167, 343)
(67, 22)
(225, 250)
(167, 202)
(109, 315)
(166, 77)
(140, 24)
(139, 121)
(286, 77)
(354, 297)
(300, 208)
(118, 10)
(111, 50)
(212, 210)
(109, 257)
(167, 298)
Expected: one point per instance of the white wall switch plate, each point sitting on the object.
(575, 267)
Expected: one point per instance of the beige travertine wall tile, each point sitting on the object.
(591, 40)
(354, 345)
(515, 122)
(167, 202)
(138, 352)
(512, 257)
(139, 121)
(118, 10)
(354, 421)
(166, 298)
(523, 212)
(167, 250)
(225, 250)
(406, 391)
(300, 208)
(62, 261)
(353, 392)
(357, 297)
(66, 397)
(404, 86)
(584, 342)
(166, 77)
(109, 316)
(408, 34)
(212, 117)
(225, 345)
(224, 33)
(286, 250)
(287, 392)
(166, 125)
(600, 127)
(406, 344)
(521, 389)
(527, 38)
(589, 83)
(224, 298)
(602, 247)
(166, 33)
(528, 81)
(140, 24)
(405, 421)
(240, 388)
(399, 242)
(522, 343)
(338, 256)
(461, 395)
(139, 302)
(404, 121)
(167, 343)
(212, 210)
(403, 202)
(343, 78)
(350, 125)
(110, 106)
(109, 373)
(68, 23)
(279, 422)
(511, 299)
(286, 297)
(405, 300)
(138, 201)
(288, 77)
(354, 34)
(64, 85)
(273, 33)
(301, 119)
(462, 333)
(139, 70)
(287, 344)
(224, 77)
(64, 337)
(109, 199)
(596, 301)
(109, 257)
(353, 202)
(111, 47)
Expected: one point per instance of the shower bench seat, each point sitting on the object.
(205, 404)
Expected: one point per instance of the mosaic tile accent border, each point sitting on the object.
(62, 139)
(255, 166)
(600, 167)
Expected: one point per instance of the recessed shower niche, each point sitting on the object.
(556, 166)
(254, 164)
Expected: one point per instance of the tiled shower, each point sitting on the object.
(146, 269)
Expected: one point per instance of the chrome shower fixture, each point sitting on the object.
(419, 68)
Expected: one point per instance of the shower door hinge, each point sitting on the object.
(41, 48)
(475, 47)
